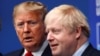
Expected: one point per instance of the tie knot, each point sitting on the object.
(28, 54)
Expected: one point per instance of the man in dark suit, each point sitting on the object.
(68, 34)
(29, 25)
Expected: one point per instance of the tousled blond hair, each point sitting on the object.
(70, 17)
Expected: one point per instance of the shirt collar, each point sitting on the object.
(38, 53)
(81, 49)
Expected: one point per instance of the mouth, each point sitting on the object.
(53, 46)
(28, 39)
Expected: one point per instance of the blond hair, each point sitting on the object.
(30, 6)
(70, 17)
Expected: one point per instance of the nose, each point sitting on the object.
(26, 28)
(50, 36)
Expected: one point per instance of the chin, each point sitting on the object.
(56, 52)
(28, 44)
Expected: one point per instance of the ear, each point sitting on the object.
(78, 32)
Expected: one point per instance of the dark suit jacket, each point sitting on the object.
(90, 51)
(0, 54)
(47, 52)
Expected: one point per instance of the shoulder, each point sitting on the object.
(95, 52)
(15, 53)
(90, 51)
(0, 54)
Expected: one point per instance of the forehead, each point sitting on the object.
(53, 24)
(27, 15)
(54, 20)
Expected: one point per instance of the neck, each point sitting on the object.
(81, 41)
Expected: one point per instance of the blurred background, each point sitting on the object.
(9, 40)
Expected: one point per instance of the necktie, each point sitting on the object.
(28, 54)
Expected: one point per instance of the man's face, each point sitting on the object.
(30, 29)
(61, 40)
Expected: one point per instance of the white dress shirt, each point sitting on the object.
(80, 51)
(38, 53)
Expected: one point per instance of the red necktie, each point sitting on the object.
(28, 54)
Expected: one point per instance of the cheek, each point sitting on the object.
(69, 41)
(37, 32)
(38, 28)
(61, 37)
(65, 39)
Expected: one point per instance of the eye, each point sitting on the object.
(32, 22)
(20, 24)
(56, 31)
